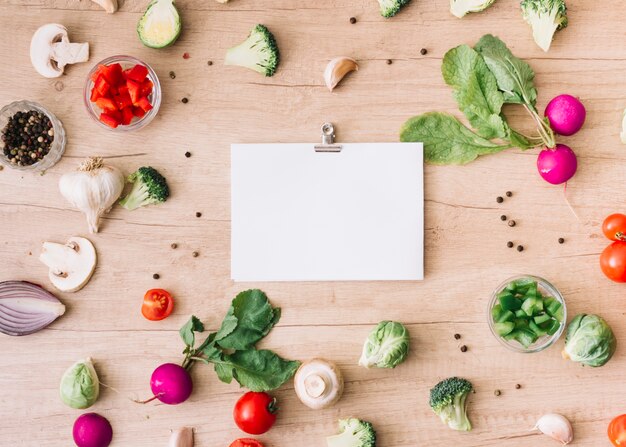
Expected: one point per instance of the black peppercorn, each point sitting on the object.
(520, 248)
(187, 154)
(499, 199)
(209, 63)
(353, 20)
(198, 214)
(172, 75)
(497, 392)
(195, 254)
(511, 223)
(463, 348)
(423, 51)
(518, 386)
(185, 100)
(156, 276)
(561, 240)
(27, 138)
(389, 61)
(174, 246)
(457, 336)
(503, 218)
(509, 193)
(510, 244)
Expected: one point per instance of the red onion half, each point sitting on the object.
(26, 308)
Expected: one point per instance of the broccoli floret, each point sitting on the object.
(258, 52)
(461, 7)
(149, 187)
(448, 399)
(354, 433)
(389, 8)
(545, 17)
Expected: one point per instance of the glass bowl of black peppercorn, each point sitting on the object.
(32, 138)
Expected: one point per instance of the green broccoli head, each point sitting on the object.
(448, 399)
(149, 187)
(545, 17)
(354, 433)
(258, 52)
(389, 8)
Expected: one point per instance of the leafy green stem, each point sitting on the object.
(545, 132)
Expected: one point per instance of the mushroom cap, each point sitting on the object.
(71, 265)
(41, 49)
(318, 383)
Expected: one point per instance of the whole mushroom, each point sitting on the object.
(51, 50)
(318, 383)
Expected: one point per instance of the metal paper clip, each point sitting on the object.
(328, 140)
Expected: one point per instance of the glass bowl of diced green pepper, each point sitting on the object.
(527, 313)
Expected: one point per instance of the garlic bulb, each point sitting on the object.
(557, 427)
(93, 189)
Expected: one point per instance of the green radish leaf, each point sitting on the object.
(258, 370)
(224, 372)
(187, 331)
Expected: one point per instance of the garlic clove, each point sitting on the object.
(110, 6)
(557, 427)
(181, 437)
(337, 69)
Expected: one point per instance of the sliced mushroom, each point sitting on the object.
(71, 265)
(181, 437)
(51, 50)
(110, 6)
(318, 383)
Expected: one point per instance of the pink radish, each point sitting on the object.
(566, 114)
(92, 430)
(557, 165)
(171, 384)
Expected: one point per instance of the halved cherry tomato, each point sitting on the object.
(255, 413)
(246, 442)
(157, 304)
(613, 261)
(617, 431)
(614, 227)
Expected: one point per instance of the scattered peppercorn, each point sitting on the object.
(497, 392)
(423, 51)
(499, 199)
(511, 223)
(509, 193)
(172, 75)
(187, 154)
(174, 246)
(27, 138)
(389, 61)
(518, 386)
(195, 254)
(353, 20)
(209, 63)
(503, 217)
(457, 336)
(198, 214)
(1, 167)
(186, 56)
(520, 248)
(510, 244)
(185, 100)
(561, 240)
(463, 348)
(156, 276)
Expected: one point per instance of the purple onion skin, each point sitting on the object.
(92, 430)
(171, 384)
(566, 114)
(18, 321)
(557, 165)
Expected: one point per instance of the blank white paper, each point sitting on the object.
(301, 215)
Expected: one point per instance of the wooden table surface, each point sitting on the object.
(465, 241)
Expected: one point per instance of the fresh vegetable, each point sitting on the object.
(80, 387)
(92, 430)
(522, 313)
(110, 6)
(171, 384)
(354, 433)
(181, 437)
(566, 114)
(614, 227)
(613, 261)
(389, 8)
(246, 442)
(258, 52)
(386, 346)
(557, 427)
(483, 79)
(318, 383)
(51, 50)
(448, 399)
(121, 94)
(26, 308)
(617, 431)
(545, 17)
(337, 69)
(557, 165)
(160, 25)
(157, 304)
(461, 7)
(623, 133)
(149, 188)
(255, 413)
(93, 189)
(71, 264)
(232, 348)
(589, 340)
(27, 137)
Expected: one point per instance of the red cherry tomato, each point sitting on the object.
(157, 304)
(617, 431)
(613, 261)
(614, 227)
(255, 413)
(246, 442)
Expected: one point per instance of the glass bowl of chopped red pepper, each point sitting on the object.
(527, 314)
(122, 93)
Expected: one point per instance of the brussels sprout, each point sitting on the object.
(79, 385)
(160, 25)
(386, 347)
(589, 340)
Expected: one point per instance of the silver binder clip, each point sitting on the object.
(328, 140)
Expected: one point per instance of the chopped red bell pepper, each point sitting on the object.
(106, 104)
(122, 89)
(134, 90)
(112, 73)
(138, 112)
(144, 104)
(138, 73)
(102, 86)
(127, 115)
(146, 87)
(94, 95)
(123, 100)
(109, 120)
